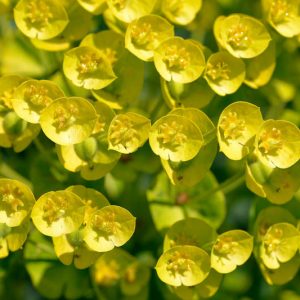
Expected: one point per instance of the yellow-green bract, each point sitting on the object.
(277, 144)
(179, 60)
(145, 34)
(127, 132)
(58, 213)
(231, 249)
(16, 202)
(68, 120)
(238, 124)
(109, 227)
(183, 265)
(224, 73)
(40, 19)
(32, 96)
(241, 35)
(180, 12)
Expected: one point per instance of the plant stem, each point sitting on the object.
(225, 187)
(98, 293)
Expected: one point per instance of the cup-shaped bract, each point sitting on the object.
(145, 34)
(40, 19)
(232, 248)
(13, 238)
(242, 35)
(8, 85)
(179, 60)
(16, 202)
(196, 94)
(279, 245)
(128, 69)
(68, 120)
(92, 199)
(32, 96)
(283, 16)
(127, 132)
(259, 70)
(175, 138)
(72, 249)
(111, 266)
(129, 10)
(183, 265)
(277, 185)
(16, 132)
(181, 12)
(191, 172)
(88, 67)
(205, 289)
(135, 278)
(238, 124)
(95, 7)
(190, 231)
(109, 227)
(277, 144)
(58, 213)
(224, 73)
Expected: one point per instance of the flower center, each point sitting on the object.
(123, 133)
(142, 34)
(179, 263)
(279, 11)
(176, 59)
(218, 71)
(64, 117)
(11, 198)
(270, 141)
(238, 37)
(38, 14)
(54, 209)
(232, 126)
(38, 96)
(88, 63)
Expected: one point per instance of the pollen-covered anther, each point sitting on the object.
(123, 133)
(107, 223)
(142, 34)
(38, 13)
(65, 117)
(232, 126)
(171, 133)
(38, 95)
(279, 10)
(11, 198)
(54, 209)
(88, 63)
(111, 55)
(238, 37)
(6, 98)
(270, 141)
(273, 241)
(178, 263)
(176, 59)
(218, 71)
(225, 245)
